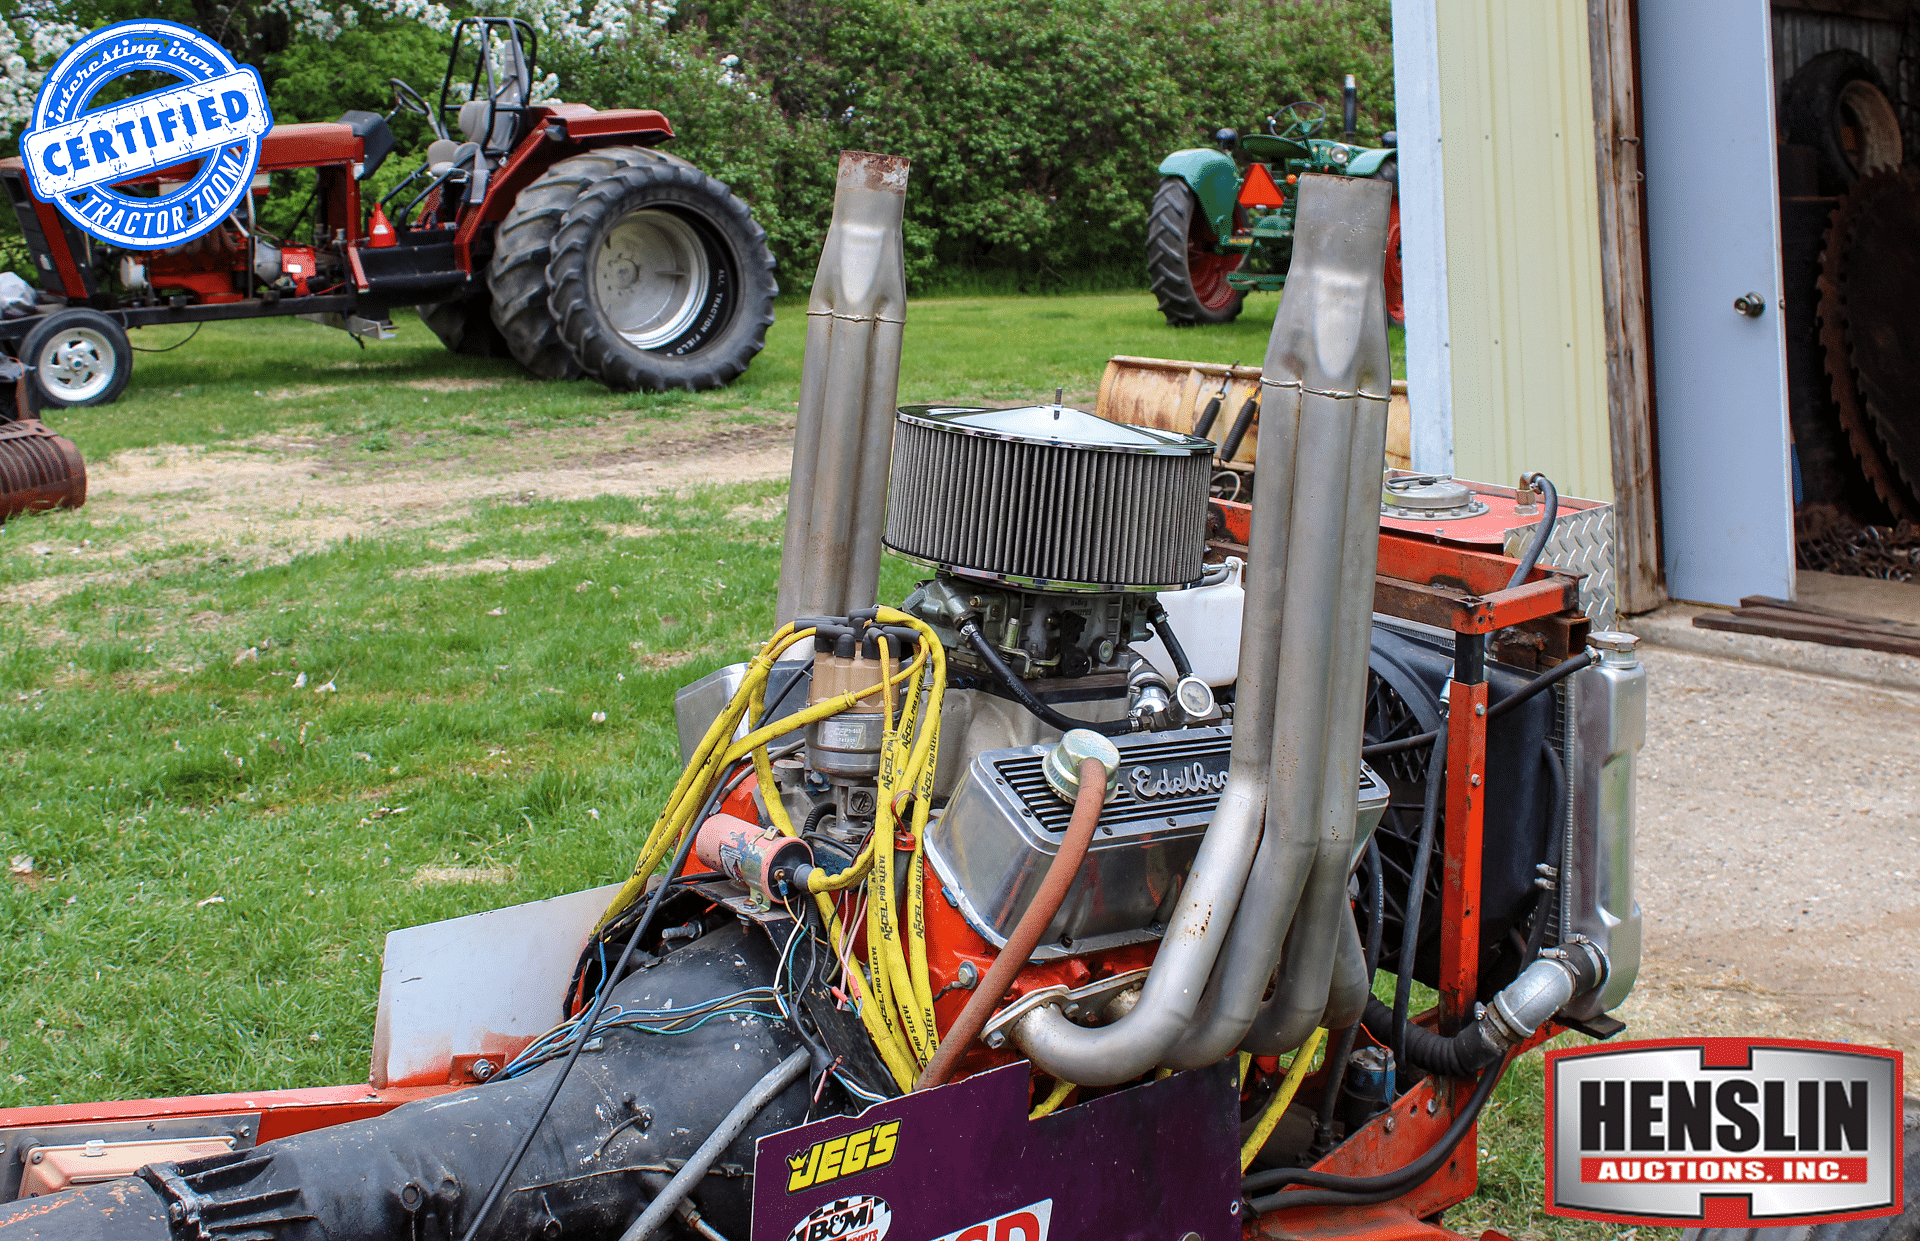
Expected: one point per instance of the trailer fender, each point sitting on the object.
(1214, 180)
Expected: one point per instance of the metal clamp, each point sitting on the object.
(1076, 1002)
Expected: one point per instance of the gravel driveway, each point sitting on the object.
(1779, 855)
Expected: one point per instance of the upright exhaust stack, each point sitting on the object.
(849, 385)
(1278, 845)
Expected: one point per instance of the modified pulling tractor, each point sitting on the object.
(553, 233)
(966, 921)
(1215, 234)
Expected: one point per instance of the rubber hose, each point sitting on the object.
(1025, 697)
(1462, 1055)
(694, 1170)
(1556, 839)
(1552, 676)
(1163, 630)
(1416, 895)
(1026, 933)
(1334, 1190)
(1550, 510)
(1336, 1075)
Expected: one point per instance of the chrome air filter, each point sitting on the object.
(1048, 497)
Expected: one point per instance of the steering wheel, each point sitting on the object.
(407, 99)
(1303, 120)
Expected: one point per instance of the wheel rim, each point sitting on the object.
(652, 276)
(76, 365)
(1206, 270)
(1869, 128)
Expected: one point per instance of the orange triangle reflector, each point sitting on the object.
(1258, 190)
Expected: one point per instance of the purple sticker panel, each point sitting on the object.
(963, 1163)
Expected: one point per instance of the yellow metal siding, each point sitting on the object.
(1526, 334)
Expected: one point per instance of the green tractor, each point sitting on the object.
(1215, 233)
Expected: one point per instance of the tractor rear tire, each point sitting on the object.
(522, 247)
(1838, 104)
(661, 279)
(1187, 277)
(465, 326)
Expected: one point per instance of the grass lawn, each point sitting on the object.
(235, 765)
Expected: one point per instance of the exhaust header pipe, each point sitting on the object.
(1294, 768)
(849, 385)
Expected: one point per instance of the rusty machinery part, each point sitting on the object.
(1867, 320)
(517, 274)
(1838, 104)
(1829, 541)
(661, 278)
(39, 469)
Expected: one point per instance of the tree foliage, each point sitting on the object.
(1034, 126)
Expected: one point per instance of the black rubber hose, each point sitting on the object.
(1333, 1190)
(1559, 672)
(1416, 895)
(1556, 838)
(582, 1033)
(1241, 425)
(1462, 1055)
(1163, 630)
(1026, 697)
(1377, 922)
(1550, 510)
(1336, 1077)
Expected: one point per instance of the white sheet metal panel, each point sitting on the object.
(1525, 306)
(477, 984)
(1713, 235)
(1423, 233)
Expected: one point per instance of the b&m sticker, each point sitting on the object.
(206, 128)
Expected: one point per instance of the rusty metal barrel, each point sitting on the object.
(1174, 396)
(39, 469)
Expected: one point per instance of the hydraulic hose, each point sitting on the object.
(1416, 895)
(695, 1169)
(1550, 510)
(1163, 630)
(1026, 697)
(1026, 933)
(1357, 1190)
(1337, 1066)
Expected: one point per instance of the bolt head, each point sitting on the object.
(36, 1157)
(484, 1069)
(997, 1039)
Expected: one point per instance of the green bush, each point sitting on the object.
(1034, 127)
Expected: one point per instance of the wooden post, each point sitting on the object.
(1623, 277)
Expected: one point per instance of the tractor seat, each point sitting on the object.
(1269, 147)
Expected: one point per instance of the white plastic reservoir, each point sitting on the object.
(1206, 620)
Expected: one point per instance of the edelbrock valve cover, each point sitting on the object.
(1000, 832)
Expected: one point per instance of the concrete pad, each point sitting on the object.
(1672, 626)
(1778, 862)
(1864, 596)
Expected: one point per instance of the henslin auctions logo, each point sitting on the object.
(1724, 1133)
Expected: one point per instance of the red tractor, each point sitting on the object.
(549, 232)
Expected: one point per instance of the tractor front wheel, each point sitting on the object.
(1188, 278)
(662, 279)
(76, 357)
(465, 326)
